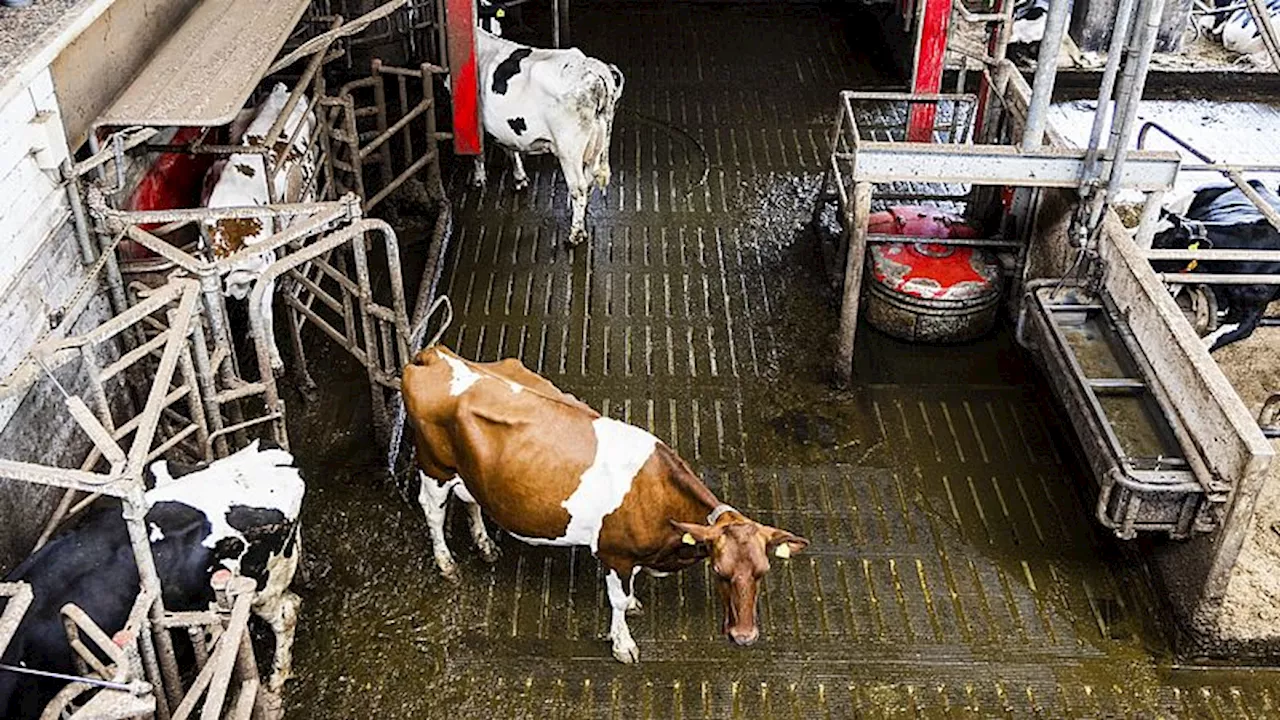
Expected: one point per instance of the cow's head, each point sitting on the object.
(488, 15)
(739, 549)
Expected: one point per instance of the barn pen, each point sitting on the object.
(1054, 512)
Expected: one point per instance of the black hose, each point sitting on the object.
(674, 130)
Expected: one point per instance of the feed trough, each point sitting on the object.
(1147, 478)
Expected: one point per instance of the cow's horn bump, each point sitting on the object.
(688, 539)
(783, 551)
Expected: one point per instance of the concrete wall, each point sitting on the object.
(40, 270)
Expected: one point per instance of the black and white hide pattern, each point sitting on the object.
(1221, 217)
(538, 101)
(239, 513)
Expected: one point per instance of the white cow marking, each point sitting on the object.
(463, 376)
(621, 450)
(156, 533)
(1212, 338)
(250, 478)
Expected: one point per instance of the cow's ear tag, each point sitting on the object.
(501, 13)
(688, 539)
(783, 551)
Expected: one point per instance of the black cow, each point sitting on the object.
(1221, 217)
(239, 513)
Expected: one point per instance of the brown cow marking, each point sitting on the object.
(245, 169)
(230, 235)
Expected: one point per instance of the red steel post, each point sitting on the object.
(931, 49)
(460, 26)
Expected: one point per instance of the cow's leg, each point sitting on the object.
(433, 495)
(478, 177)
(488, 549)
(517, 171)
(1228, 334)
(269, 327)
(575, 175)
(284, 624)
(301, 375)
(624, 647)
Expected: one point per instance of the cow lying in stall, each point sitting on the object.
(1239, 31)
(1221, 217)
(242, 182)
(551, 471)
(239, 513)
(538, 101)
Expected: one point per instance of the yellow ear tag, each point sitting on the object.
(501, 13)
(688, 539)
(783, 551)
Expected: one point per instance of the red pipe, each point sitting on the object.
(931, 50)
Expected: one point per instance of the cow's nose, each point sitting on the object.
(744, 637)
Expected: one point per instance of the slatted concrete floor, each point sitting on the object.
(953, 570)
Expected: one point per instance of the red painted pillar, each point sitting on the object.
(460, 26)
(934, 16)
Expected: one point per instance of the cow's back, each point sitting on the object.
(91, 564)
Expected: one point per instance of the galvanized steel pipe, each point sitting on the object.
(1046, 71)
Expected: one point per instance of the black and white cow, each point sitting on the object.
(1221, 217)
(241, 181)
(1029, 19)
(239, 513)
(538, 101)
(1238, 30)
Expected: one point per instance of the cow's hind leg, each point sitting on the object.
(1230, 333)
(620, 582)
(269, 327)
(478, 177)
(488, 549)
(575, 175)
(433, 496)
(517, 171)
(284, 624)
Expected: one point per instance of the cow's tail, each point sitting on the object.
(416, 346)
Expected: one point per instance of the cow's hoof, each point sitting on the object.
(627, 654)
(477, 181)
(634, 607)
(521, 184)
(489, 551)
(576, 237)
(449, 569)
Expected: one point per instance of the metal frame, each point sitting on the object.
(858, 163)
(346, 131)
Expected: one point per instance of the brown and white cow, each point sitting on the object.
(242, 182)
(551, 471)
(537, 101)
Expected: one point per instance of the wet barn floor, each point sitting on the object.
(953, 570)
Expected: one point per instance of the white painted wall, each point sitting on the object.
(40, 265)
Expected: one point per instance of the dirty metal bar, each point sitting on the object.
(190, 618)
(228, 649)
(100, 436)
(195, 404)
(876, 238)
(143, 217)
(1046, 72)
(880, 162)
(101, 157)
(240, 392)
(1119, 36)
(270, 417)
(855, 224)
(408, 172)
(1122, 129)
(1198, 278)
(171, 442)
(391, 131)
(347, 341)
(81, 480)
(1212, 254)
(134, 355)
(19, 599)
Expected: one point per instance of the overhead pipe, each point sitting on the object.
(1046, 72)
(1119, 36)
(1135, 76)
